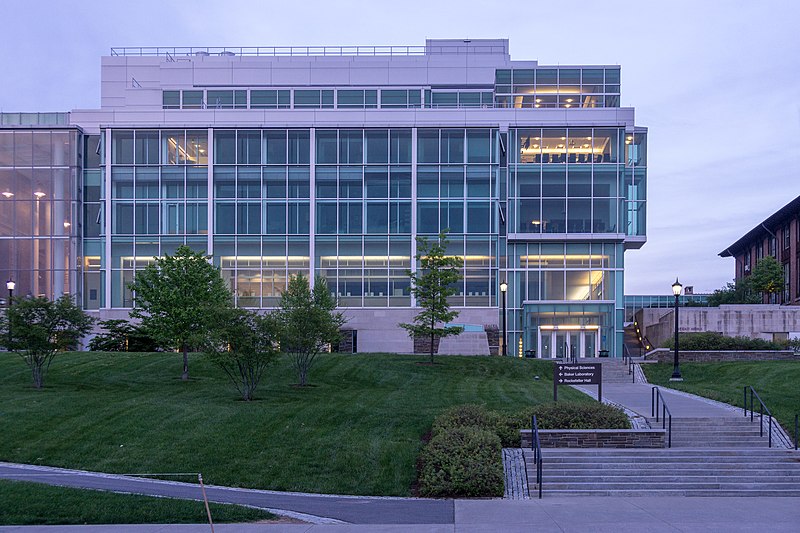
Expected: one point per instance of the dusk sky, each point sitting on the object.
(716, 82)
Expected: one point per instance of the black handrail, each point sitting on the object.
(795, 431)
(655, 396)
(536, 446)
(762, 407)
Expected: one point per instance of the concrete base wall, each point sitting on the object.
(754, 321)
(596, 438)
(664, 355)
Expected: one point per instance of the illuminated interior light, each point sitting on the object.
(569, 100)
(536, 105)
(563, 138)
(570, 327)
(536, 138)
(67, 224)
(8, 194)
(566, 105)
(536, 222)
(538, 100)
(39, 195)
(536, 146)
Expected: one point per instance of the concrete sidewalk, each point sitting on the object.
(637, 398)
(560, 514)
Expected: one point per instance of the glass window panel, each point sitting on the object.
(298, 218)
(326, 147)
(248, 218)
(196, 182)
(249, 147)
(351, 147)
(377, 146)
(171, 99)
(400, 146)
(579, 215)
(220, 99)
(146, 182)
(400, 217)
(427, 182)
(307, 98)
(394, 98)
(478, 217)
(612, 75)
(478, 146)
(376, 181)
(192, 99)
(326, 218)
(197, 217)
(579, 182)
(225, 147)
(350, 217)
(452, 182)
(121, 183)
(377, 217)
(452, 216)
(299, 184)
(299, 147)
(604, 216)
(224, 182)
(552, 285)
(400, 182)
(275, 150)
(121, 148)
(146, 148)
(326, 182)
(554, 181)
(605, 181)
(502, 76)
(529, 219)
(248, 184)
(350, 182)
(225, 217)
(479, 180)
(196, 149)
(276, 218)
(428, 217)
(554, 146)
(554, 213)
(427, 146)
(452, 147)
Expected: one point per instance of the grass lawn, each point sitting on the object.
(356, 430)
(775, 381)
(33, 503)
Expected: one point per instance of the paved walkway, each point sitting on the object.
(560, 514)
(637, 398)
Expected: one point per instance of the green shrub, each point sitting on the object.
(712, 340)
(471, 415)
(462, 462)
(567, 415)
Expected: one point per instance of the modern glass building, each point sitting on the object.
(331, 161)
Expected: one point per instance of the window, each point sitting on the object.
(313, 99)
(171, 99)
(192, 99)
(400, 98)
(773, 247)
(786, 237)
(279, 99)
(356, 99)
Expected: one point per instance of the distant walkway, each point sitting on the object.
(637, 398)
(551, 515)
(317, 508)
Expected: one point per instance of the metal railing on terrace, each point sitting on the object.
(173, 53)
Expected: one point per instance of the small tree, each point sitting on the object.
(767, 276)
(737, 292)
(308, 322)
(37, 329)
(431, 285)
(177, 299)
(243, 344)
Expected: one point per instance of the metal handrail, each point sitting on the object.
(655, 396)
(762, 407)
(795, 431)
(536, 446)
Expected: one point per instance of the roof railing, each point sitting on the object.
(176, 53)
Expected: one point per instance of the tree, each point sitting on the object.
(737, 292)
(37, 329)
(243, 344)
(767, 276)
(177, 299)
(308, 322)
(122, 336)
(431, 285)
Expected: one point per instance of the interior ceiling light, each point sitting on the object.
(39, 195)
(67, 224)
(8, 194)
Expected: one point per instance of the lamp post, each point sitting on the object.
(676, 371)
(10, 286)
(503, 290)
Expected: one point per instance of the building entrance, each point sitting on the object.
(568, 340)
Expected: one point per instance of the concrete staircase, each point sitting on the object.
(675, 472)
(614, 370)
(733, 432)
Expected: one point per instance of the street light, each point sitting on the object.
(676, 371)
(10, 286)
(503, 290)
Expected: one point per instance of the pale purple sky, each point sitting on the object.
(716, 82)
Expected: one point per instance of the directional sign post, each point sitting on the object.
(578, 374)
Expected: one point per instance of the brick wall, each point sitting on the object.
(664, 355)
(596, 438)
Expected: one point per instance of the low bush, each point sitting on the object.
(712, 340)
(477, 416)
(462, 462)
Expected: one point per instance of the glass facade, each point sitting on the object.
(39, 222)
(334, 168)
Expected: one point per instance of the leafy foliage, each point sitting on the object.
(711, 340)
(736, 292)
(767, 276)
(308, 322)
(243, 344)
(464, 462)
(37, 329)
(570, 415)
(178, 299)
(431, 285)
(122, 336)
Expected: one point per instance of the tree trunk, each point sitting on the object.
(433, 324)
(303, 372)
(185, 376)
(37, 376)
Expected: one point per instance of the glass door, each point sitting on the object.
(590, 343)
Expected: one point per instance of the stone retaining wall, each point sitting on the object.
(596, 438)
(665, 355)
